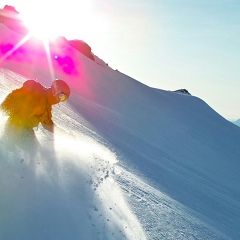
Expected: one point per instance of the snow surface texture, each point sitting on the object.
(126, 162)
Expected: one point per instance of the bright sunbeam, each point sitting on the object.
(11, 18)
(50, 63)
(18, 45)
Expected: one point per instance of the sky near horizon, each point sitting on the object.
(167, 44)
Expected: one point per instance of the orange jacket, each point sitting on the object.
(28, 106)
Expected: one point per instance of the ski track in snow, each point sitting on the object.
(169, 219)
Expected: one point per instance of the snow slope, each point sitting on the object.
(126, 162)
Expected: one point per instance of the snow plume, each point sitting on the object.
(61, 187)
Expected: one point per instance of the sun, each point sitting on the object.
(49, 19)
(43, 23)
(40, 29)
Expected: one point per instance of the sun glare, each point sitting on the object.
(41, 26)
(47, 20)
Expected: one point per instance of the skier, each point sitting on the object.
(31, 104)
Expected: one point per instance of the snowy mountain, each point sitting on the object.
(126, 161)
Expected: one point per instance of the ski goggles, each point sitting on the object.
(62, 97)
(59, 95)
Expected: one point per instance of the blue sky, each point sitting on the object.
(167, 44)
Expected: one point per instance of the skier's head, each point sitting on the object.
(60, 90)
